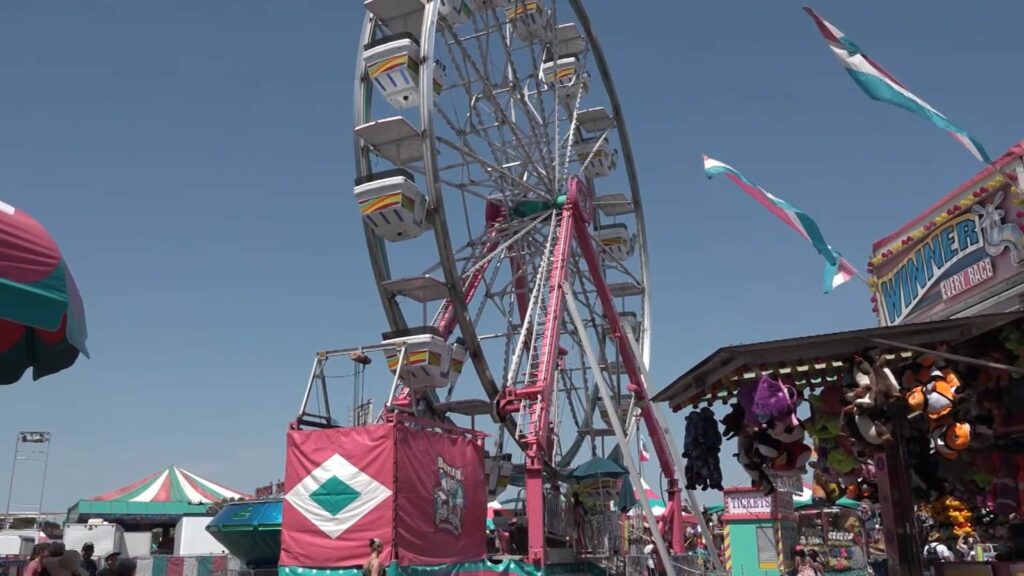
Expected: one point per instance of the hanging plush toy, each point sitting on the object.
(775, 408)
(936, 397)
(826, 413)
(830, 488)
(951, 439)
(733, 423)
(1013, 338)
(875, 387)
(792, 459)
(753, 463)
(953, 511)
(701, 445)
(937, 400)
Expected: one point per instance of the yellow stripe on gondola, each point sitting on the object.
(566, 72)
(385, 202)
(393, 63)
(519, 10)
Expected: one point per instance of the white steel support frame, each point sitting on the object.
(31, 438)
(680, 467)
(613, 417)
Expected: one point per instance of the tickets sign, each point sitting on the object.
(747, 504)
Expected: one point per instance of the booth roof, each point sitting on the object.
(808, 354)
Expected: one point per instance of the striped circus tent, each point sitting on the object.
(657, 502)
(160, 498)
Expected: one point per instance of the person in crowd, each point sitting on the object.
(817, 562)
(109, 562)
(88, 563)
(125, 567)
(35, 560)
(966, 545)
(56, 548)
(652, 567)
(1013, 550)
(372, 566)
(68, 563)
(579, 516)
(801, 563)
(935, 551)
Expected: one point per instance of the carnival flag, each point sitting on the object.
(879, 85)
(644, 454)
(837, 269)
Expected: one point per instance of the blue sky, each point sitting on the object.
(193, 159)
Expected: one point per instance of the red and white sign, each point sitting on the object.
(967, 279)
(422, 493)
(339, 485)
(441, 497)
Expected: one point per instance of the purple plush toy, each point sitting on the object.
(746, 395)
(775, 407)
(771, 401)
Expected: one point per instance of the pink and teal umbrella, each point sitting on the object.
(42, 320)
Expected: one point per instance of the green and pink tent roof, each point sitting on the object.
(161, 497)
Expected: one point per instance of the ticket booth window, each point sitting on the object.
(766, 552)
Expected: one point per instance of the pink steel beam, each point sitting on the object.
(540, 445)
(495, 214)
(539, 441)
(579, 193)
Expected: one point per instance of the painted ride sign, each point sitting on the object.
(956, 257)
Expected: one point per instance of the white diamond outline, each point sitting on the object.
(371, 493)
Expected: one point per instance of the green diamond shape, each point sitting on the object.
(334, 495)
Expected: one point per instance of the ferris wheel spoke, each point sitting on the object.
(488, 165)
(488, 91)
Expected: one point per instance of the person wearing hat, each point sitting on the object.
(88, 563)
(125, 567)
(56, 548)
(109, 562)
(67, 564)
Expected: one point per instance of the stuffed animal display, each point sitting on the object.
(701, 446)
(770, 435)
(953, 511)
(934, 394)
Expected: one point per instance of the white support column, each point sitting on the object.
(613, 417)
(680, 465)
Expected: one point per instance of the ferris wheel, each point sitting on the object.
(504, 226)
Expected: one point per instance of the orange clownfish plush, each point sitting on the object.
(936, 397)
(948, 441)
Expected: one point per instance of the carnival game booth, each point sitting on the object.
(921, 413)
(836, 531)
(158, 501)
(759, 532)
